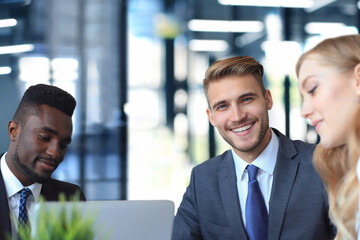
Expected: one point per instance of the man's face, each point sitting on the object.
(238, 109)
(41, 144)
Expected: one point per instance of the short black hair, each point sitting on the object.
(49, 95)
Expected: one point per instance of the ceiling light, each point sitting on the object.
(5, 70)
(8, 22)
(17, 48)
(318, 27)
(319, 4)
(225, 26)
(208, 45)
(270, 3)
(327, 28)
(309, 5)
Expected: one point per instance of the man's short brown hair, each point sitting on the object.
(234, 66)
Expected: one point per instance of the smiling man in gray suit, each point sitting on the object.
(285, 198)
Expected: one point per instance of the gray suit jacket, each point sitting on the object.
(298, 207)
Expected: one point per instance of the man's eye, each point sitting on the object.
(63, 146)
(220, 107)
(43, 138)
(247, 99)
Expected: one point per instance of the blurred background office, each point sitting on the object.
(136, 69)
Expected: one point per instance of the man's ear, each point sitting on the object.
(211, 119)
(13, 130)
(357, 79)
(268, 100)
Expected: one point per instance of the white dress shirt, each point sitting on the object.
(13, 187)
(266, 163)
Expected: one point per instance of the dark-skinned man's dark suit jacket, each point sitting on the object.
(298, 207)
(50, 191)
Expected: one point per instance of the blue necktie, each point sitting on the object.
(23, 216)
(255, 210)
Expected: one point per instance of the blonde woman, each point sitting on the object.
(329, 83)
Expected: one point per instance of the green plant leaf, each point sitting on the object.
(61, 223)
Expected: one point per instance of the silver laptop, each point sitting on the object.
(124, 220)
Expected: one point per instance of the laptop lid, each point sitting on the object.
(127, 220)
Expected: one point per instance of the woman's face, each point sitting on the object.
(329, 100)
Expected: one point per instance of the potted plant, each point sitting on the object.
(59, 223)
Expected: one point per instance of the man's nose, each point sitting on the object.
(53, 149)
(237, 114)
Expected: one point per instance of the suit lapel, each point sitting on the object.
(48, 192)
(229, 194)
(284, 177)
(5, 225)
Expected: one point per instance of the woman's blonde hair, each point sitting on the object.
(337, 166)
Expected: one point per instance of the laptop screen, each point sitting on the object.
(117, 220)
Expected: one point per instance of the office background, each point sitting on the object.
(136, 69)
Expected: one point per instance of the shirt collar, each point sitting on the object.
(13, 185)
(265, 161)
